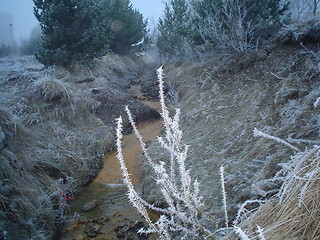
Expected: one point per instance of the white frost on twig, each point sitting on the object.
(316, 102)
(257, 133)
(224, 198)
(241, 233)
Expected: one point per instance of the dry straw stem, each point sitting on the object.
(295, 212)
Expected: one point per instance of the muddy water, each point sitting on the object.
(113, 217)
(111, 173)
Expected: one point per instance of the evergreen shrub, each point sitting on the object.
(80, 30)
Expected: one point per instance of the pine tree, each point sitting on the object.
(127, 25)
(265, 11)
(80, 30)
(55, 17)
(174, 28)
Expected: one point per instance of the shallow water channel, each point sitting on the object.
(112, 217)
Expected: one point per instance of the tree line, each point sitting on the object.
(230, 25)
(80, 30)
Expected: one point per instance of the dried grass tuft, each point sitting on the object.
(10, 123)
(53, 89)
(295, 212)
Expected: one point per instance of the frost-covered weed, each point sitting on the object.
(224, 198)
(183, 214)
(230, 32)
(241, 233)
(294, 211)
(257, 133)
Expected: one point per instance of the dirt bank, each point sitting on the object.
(56, 126)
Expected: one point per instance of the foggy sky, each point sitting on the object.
(24, 20)
(151, 9)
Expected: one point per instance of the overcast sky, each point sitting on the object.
(24, 20)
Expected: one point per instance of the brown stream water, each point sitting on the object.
(113, 217)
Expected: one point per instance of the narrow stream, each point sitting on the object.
(111, 216)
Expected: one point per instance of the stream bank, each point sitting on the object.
(55, 127)
(101, 210)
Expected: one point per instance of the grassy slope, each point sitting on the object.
(224, 99)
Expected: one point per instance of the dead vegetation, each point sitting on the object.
(55, 128)
(53, 143)
(273, 90)
(293, 213)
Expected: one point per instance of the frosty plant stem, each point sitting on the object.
(257, 133)
(260, 232)
(241, 233)
(182, 216)
(133, 196)
(224, 199)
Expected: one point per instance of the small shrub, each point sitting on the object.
(227, 29)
